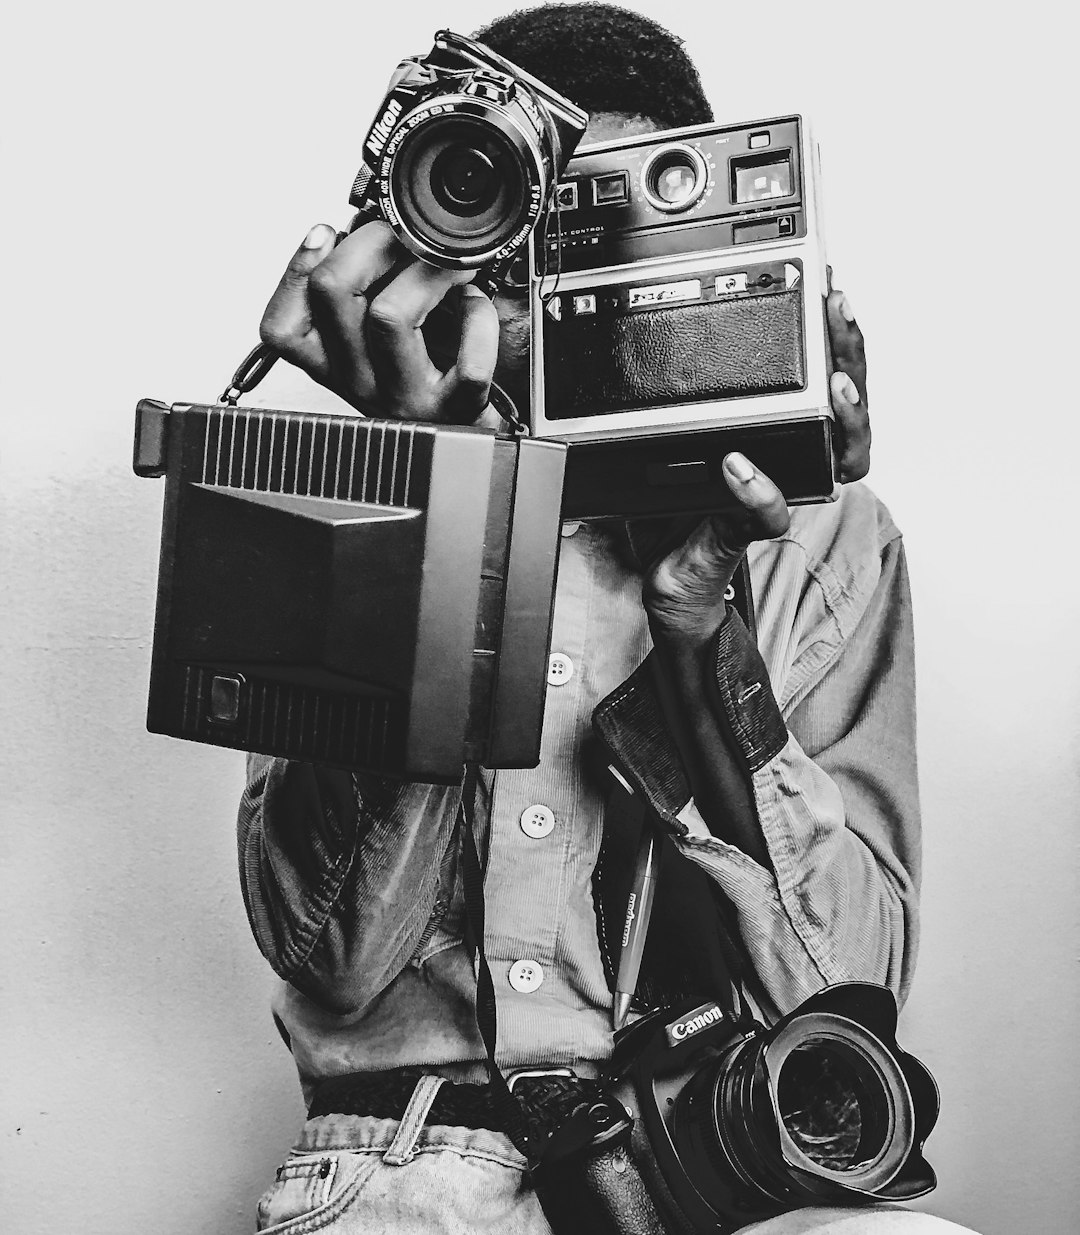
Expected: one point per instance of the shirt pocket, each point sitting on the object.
(310, 1187)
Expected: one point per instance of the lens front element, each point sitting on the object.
(459, 186)
(674, 178)
(816, 1111)
(464, 180)
(840, 1100)
(830, 1105)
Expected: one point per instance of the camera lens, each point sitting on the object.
(461, 188)
(674, 178)
(828, 1105)
(818, 1108)
(464, 180)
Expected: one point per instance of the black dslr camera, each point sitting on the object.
(464, 155)
(712, 1121)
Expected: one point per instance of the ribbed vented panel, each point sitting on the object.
(350, 730)
(341, 457)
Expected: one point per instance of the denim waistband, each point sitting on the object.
(364, 1133)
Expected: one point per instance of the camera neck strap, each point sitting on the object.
(472, 878)
(515, 1123)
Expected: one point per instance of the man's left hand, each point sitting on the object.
(684, 592)
(851, 428)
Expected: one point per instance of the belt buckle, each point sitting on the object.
(524, 1074)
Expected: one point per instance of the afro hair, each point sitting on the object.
(604, 59)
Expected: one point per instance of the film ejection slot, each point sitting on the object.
(674, 177)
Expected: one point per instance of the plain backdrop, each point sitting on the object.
(161, 163)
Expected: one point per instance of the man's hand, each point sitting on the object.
(351, 317)
(684, 593)
(851, 428)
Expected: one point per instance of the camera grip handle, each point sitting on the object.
(615, 1183)
(587, 1178)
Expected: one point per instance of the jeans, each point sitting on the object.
(357, 1175)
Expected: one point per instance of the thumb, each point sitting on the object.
(286, 322)
(761, 513)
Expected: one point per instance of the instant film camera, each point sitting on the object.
(380, 596)
(687, 319)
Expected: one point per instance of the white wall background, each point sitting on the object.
(161, 163)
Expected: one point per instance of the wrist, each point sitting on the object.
(686, 637)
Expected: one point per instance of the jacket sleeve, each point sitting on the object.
(831, 793)
(341, 874)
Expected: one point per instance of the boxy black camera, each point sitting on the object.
(366, 594)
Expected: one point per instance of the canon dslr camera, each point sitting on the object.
(712, 1121)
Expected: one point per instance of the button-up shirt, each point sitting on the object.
(353, 882)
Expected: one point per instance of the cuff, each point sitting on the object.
(745, 696)
(630, 722)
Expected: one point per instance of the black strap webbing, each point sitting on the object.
(472, 879)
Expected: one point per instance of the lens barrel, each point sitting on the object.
(674, 177)
(818, 1112)
(467, 178)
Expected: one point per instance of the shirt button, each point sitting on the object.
(525, 976)
(560, 669)
(537, 821)
(568, 529)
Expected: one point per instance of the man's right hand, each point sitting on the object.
(351, 317)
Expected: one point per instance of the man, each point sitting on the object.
(804, 814)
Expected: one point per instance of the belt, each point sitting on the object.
(546, 1098)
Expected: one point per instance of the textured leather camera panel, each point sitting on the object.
(677, 354)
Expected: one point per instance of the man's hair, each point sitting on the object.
(604, 59)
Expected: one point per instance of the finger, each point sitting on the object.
(286, 324)
(338, 293)
(406, 377)
(465, 389)
(851, 427)
(762, 513)
(848, 344)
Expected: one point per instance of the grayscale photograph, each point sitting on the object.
(540, 681)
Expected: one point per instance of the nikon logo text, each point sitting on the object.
(383, 127)
(701, 1018)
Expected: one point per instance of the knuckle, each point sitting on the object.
(385, 317)
(473, 380)
(276, 334)
(325, 281)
